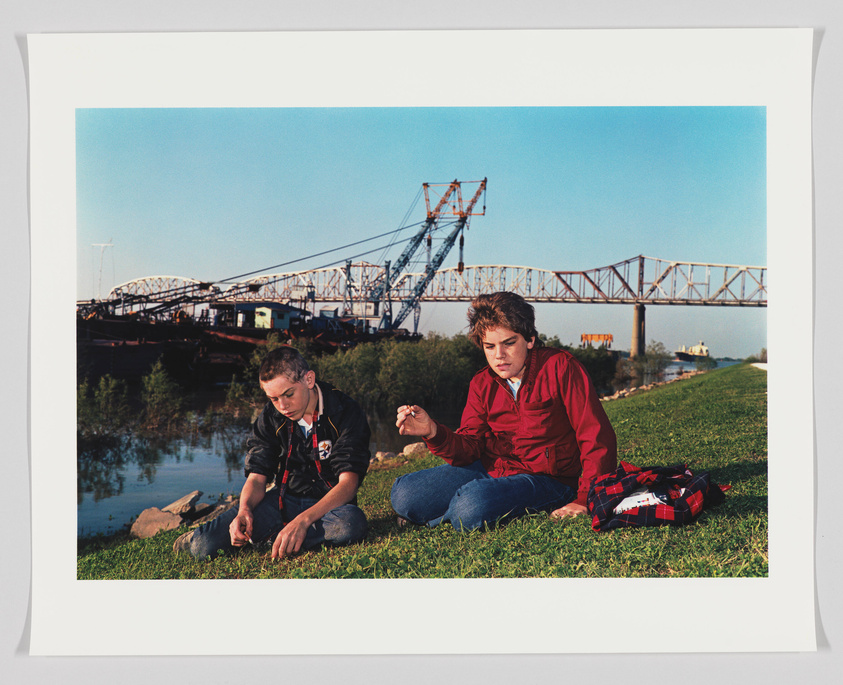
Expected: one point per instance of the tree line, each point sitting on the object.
(433, 372)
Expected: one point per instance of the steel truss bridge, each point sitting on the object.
(639, 280)
(359, 289)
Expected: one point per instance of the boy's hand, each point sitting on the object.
(413, 420)
(240, 529)
(572, 509)
(291, 538)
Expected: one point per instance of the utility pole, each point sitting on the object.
(102, 247)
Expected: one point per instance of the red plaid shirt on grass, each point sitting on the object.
(687, 495)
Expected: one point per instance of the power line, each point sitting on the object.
(406, 218)
(391, 244)
(345, 259)
(324, 252)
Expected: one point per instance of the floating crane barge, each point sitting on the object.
(200, 328)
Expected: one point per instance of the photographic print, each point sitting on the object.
(167, 365)
(223, 211)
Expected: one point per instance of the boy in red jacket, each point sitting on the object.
(533, 435)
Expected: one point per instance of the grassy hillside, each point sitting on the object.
(715, 422)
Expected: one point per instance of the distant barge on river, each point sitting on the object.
(693, 353)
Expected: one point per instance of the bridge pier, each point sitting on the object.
(639, 339)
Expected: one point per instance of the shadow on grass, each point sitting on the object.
(739, 472)
(745, 504)
(738, 501)
(100, 541)
(383, 526)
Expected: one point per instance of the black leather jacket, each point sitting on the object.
(342, 432)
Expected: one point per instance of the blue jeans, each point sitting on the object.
(469, 497)
(340, 526)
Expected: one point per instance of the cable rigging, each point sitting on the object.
(319, 254)
(379, 292)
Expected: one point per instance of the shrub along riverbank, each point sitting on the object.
(433, 372)
(715, 422)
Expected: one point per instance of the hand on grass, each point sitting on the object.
(291, 538)
(572, 509)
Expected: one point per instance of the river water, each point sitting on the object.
(676, 368)
(118, 481)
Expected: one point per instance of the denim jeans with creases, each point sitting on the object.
(468, 497)
(340, 526)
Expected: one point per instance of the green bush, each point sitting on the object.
(434, 372)
(653, 363)
(161, 398)
(103, 408)
(355, 372)
(645, 368)
(600, 364)
(705, 364)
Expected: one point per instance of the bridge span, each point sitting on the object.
(638, 281)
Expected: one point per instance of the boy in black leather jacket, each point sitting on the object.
(313, 441)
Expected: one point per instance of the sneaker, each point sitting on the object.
(401, 521)
(182, 543)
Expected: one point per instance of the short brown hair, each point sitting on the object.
(284, 360)
(501, 310)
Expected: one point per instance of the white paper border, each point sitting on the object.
(765, 67)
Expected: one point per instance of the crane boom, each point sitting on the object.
(464, 215)
(380, 290)
(450, 202)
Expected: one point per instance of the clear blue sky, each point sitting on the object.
(215, 193)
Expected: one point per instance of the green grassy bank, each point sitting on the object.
(715, 422)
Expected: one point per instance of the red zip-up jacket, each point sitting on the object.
(556, 426)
